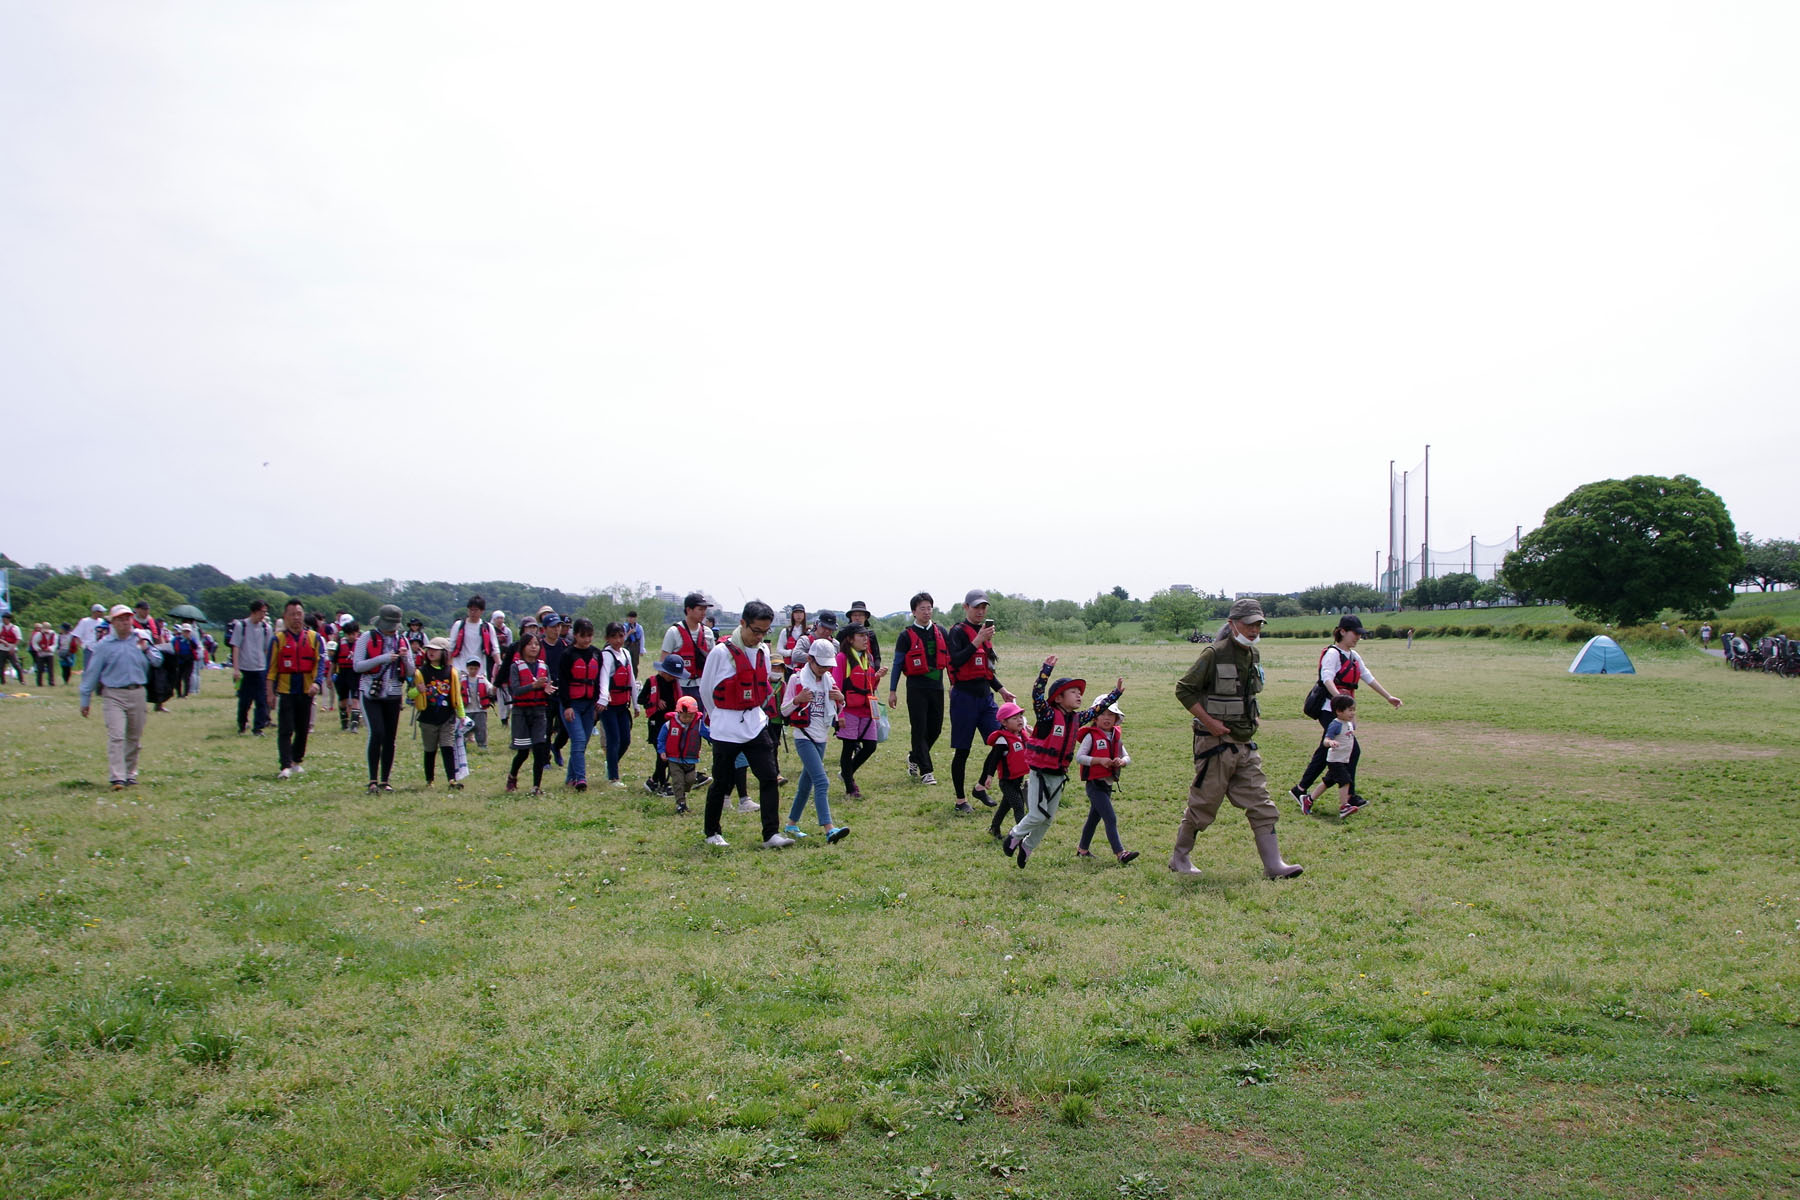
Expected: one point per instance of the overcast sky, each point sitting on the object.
(816, 302)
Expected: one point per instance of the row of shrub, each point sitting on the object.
(1574, 631)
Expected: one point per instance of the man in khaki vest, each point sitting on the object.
(1220, 691)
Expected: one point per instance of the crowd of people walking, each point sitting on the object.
(555, 685)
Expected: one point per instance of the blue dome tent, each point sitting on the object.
(1601, 656)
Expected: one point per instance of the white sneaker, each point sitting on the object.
(618, 783)
(284, 773)
(717, 840)
(299, 769)
(747, 805)
(777, 842)
(912, 769)
(928, 777)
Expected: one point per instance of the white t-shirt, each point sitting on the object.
(88, 630)
(824, 712)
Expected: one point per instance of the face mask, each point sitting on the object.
(1241, 640)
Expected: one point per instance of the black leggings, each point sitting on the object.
(1316, 765)
(1012, 804)
(539, 753)
(855, 754)
(1100, 808)
(449, 764)
(383, 716)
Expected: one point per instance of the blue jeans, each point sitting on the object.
(813, 781)
(615, 722)
(580, 730)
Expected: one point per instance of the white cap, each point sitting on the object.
(99, 608)
(823, 652)
(118, 610)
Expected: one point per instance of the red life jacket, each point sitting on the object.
(346, 654)
(748, 687)
(1101, 745)
(915, 661)
(1349, 672)
(487, 639)
(297, 656)
(1050, 746)
(524, 674)
(584, 674)
(480, 695)
(655, 705)
(153, 626)
(790, 637)
(980, 664)
(694, 653)
(859, 684)
(1013, 766)
(618, 684)
(683, 741)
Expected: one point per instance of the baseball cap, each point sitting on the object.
(1247, 610)
(119, 610)
(99, 608)
(687, 704)
(1351, 622)
(823, 653)
(975, 597)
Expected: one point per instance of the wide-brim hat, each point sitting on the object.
(1112, 708)
(674, 664)
(388, 619)
(857, 606)
(1249, 610)
(1063, 685)
(439, 643)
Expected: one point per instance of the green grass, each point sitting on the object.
(1556, 956)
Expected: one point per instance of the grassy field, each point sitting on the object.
(1555, 957)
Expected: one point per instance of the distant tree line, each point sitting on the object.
(45, 593)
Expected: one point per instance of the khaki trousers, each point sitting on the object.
(1224, 769)
(125, 710)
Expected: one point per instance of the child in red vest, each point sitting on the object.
(478, 697)
(657, 698)
(1049, 749)
(1006, 762)
(678, 746)
(1100, 751)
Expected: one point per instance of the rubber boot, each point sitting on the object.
(1273, 867)
(1178, 863)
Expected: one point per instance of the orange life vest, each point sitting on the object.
(748, 687)
(980, 664)
(297, 656)
(1051, 744)
(1101, 745)
(915, 661)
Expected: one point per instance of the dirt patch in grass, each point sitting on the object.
(1215, 1145)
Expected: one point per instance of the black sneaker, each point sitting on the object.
(1356, 805)
(1009, 845)
(964, 808)
(1301, 798)
(681, 809)
(981, 794)
(1023, 854)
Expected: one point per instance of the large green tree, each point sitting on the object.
(1622, 550)
(1769, 562)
